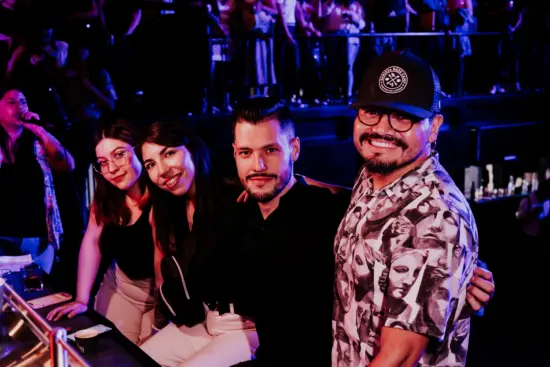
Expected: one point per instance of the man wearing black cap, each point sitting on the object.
(411, 256)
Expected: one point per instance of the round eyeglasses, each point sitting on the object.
(398, 121)
(120, 157)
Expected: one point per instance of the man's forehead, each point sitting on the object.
(269, 123)
(258, 134)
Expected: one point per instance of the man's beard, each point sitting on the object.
(379, 166)
(281, 182)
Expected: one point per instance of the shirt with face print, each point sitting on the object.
(405, 255)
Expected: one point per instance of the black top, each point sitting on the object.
(280, 272)
(197, 254)
(131, 247)
(23, 212)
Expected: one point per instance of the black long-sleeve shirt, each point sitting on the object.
(280, 270)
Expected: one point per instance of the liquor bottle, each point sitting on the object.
(480, 191)
(511, 186)
(535, 182)
(525, 186)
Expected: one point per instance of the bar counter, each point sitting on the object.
(25, 336)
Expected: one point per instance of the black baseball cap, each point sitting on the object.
(402, 81)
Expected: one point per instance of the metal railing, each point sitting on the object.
(217, 41)
(391, 34)
(61, 352)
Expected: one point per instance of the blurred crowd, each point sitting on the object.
(77, 60)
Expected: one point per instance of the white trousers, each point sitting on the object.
(127, 303)
(195, 347)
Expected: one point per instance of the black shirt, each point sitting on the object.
(131, 247)
(279, 271)
(23, 212)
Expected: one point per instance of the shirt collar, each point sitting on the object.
(294, 191)
(410, 179)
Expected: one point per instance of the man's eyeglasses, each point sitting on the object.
(398, 121)
(119, 158)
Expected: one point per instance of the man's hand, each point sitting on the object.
(399, 348)
(481, 290)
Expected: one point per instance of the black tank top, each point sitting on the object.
(131, 247)
(22, 191)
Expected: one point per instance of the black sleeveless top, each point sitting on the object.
(22, 191)
(131, 247)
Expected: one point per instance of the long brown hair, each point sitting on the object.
(169, 213)
(109, 201)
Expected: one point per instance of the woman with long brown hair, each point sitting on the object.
(190, 203)
(119, 230)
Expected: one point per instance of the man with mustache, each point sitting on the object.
(395, 131)
(279, 255)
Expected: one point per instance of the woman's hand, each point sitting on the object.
(37, 130)
(70, 309)
(28, 115)
(243, 197)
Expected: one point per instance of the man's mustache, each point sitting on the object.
(260, 175)
(389, 138)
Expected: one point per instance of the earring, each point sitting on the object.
(433, 145)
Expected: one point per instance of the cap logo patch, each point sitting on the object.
(393, 80)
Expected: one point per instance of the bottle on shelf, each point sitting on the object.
(480, 191)
(511, 186)
(525, 186)
(535, 182)
(473, 192)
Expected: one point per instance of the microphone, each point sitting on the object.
(33, 120)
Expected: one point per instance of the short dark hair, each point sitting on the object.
(258, 109)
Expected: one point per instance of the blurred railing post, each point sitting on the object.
(54, 338)
(58, 354)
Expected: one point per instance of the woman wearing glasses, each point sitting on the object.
(118, 229)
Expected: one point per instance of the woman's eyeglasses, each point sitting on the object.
(119, 158)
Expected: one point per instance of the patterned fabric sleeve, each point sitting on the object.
(426, 283)
(53, 216)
